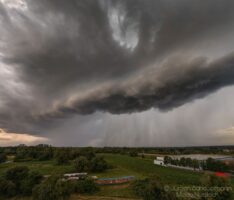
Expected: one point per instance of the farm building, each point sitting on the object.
(159, 161)
(112, 181)
(75, 176)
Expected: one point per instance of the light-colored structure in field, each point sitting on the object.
(75, 176)
(159, 161)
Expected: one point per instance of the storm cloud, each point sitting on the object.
(60, 58)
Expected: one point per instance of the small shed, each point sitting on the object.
(75, 176)
(159, 161)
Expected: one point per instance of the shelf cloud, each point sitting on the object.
(61, 58)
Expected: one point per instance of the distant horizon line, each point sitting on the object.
(197, 146)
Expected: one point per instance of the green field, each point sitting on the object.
(122, 166)
(44, 167)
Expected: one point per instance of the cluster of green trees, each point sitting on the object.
(55, 188)
(209, 164)
(65, 155)
(133, 153)
(83, 159)
(46, 152)
(20, 181)
(40, 152)
(214, 165)
(95, 164)
(184, 162)
(213, 188)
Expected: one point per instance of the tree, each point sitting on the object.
(133, 153)
(98, 164)
(214, 165)
(87, 186)
(29, 182)
(52, 188)
(22, 180)
(87, 152)
(7, 188)
(46, 153)
(188, 162)
(167, 160)
(183, 161)
(3, 157)
(62, 156)
(195, 164)
(81, 164)
(17, 174)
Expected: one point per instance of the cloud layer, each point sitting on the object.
(59, 58)
(7, 139)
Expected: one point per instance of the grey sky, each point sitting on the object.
(128, 73)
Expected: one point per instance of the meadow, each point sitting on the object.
(121, 165)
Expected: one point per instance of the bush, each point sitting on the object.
(52, 188)
(87, 186)
(17, 174)
(62, 156)
(211, 181)
(98, 164)
(151, 189)
(21, 180)
(3, 157)
(81, 164)
(133, 153)
(7, 188)
(214, 165)
(29, 182)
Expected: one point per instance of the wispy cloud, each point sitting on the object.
(19, 138)
(227, 131)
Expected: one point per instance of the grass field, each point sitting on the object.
(123, 165)
(44, 167)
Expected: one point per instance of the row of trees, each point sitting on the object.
(46, 151)
(185, 162)
(40, 152)
(209, 164)
(229, 150)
